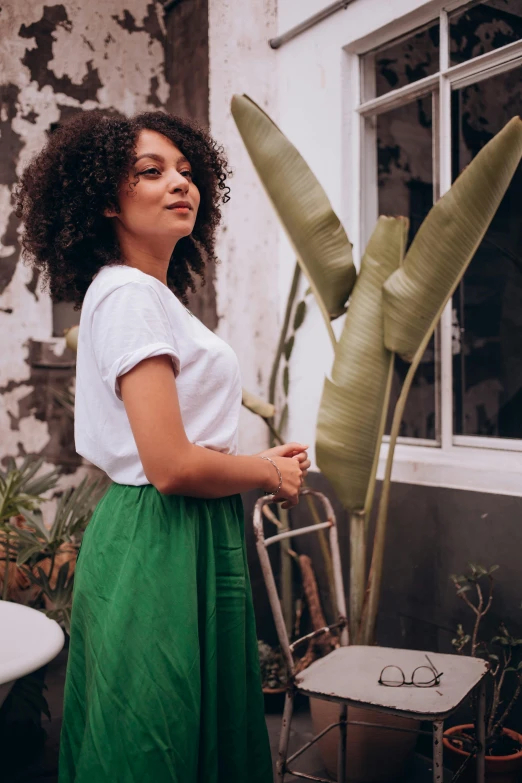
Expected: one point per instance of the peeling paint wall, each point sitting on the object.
(57, 59)
(127, 56)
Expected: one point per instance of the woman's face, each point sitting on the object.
(164, 179)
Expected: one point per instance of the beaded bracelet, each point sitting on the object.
(275, 492)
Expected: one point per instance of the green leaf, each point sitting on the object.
(416, 294)
(500, 640)
(463, 589)
(286, 380)
(493, 569)
(288, 347)
(353, 410)
(258, 406)
(492, 657)
(300, 313)
(27, 552)
(320, 242)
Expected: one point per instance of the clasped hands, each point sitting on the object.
(297, 452)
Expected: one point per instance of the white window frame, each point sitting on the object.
(454, 461)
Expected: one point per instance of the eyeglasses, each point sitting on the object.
(422, 676)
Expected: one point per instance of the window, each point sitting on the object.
(430, 100)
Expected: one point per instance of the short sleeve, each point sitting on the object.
(130, 324)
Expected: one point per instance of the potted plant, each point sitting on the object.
(395, 303)
(504, 653)
(37, 569)
(273, 674)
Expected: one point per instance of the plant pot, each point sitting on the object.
(499, 769)
(374, 755)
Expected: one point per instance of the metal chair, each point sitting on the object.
(350, 675)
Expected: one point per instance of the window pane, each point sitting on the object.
(487, 307)
(484, 27)
(401, 63)
(405, 187)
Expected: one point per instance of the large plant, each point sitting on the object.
(395, 304)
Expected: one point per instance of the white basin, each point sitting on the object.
(28, 640)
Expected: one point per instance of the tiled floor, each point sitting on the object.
(45, 769)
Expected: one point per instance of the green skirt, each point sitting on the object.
(163, 680)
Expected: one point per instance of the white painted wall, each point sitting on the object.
(317, 96)
(303, 86)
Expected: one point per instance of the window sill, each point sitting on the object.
(470, 469)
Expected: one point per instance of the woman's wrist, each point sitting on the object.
(272, 488)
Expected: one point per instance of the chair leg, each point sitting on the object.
(285, 735)
(481, 732)
(438, 768)
(341, 756)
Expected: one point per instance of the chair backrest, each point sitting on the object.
(262, 543)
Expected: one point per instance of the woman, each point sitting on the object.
(163, 679)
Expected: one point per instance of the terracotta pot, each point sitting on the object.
(499, 769)
(373, 755)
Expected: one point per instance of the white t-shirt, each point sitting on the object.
(127, 316)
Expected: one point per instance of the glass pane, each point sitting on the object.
(401, 63)
(487, 306)
(484, 27)
(405, 187)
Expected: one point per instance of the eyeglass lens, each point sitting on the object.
(392, 676)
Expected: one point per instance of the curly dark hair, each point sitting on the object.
(63, 192)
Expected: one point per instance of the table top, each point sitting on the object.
(351, 674)
(28, 640)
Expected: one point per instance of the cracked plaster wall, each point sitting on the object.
(64, 57)
(57, 58)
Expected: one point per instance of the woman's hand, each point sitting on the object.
(297, 450)
(289, 493)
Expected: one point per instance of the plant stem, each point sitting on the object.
(284, 331)
(478, 618)
(286, 575)
(275, 434)
(501, 721)
(498, 689)
(325, 552)
(375, 578)
(357, 570)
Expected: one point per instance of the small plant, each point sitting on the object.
(273, 668)
(503, 652)
(33, 555)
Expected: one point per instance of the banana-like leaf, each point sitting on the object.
(323, 250)
(258, 406)
(354, 402)
(415, 295)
